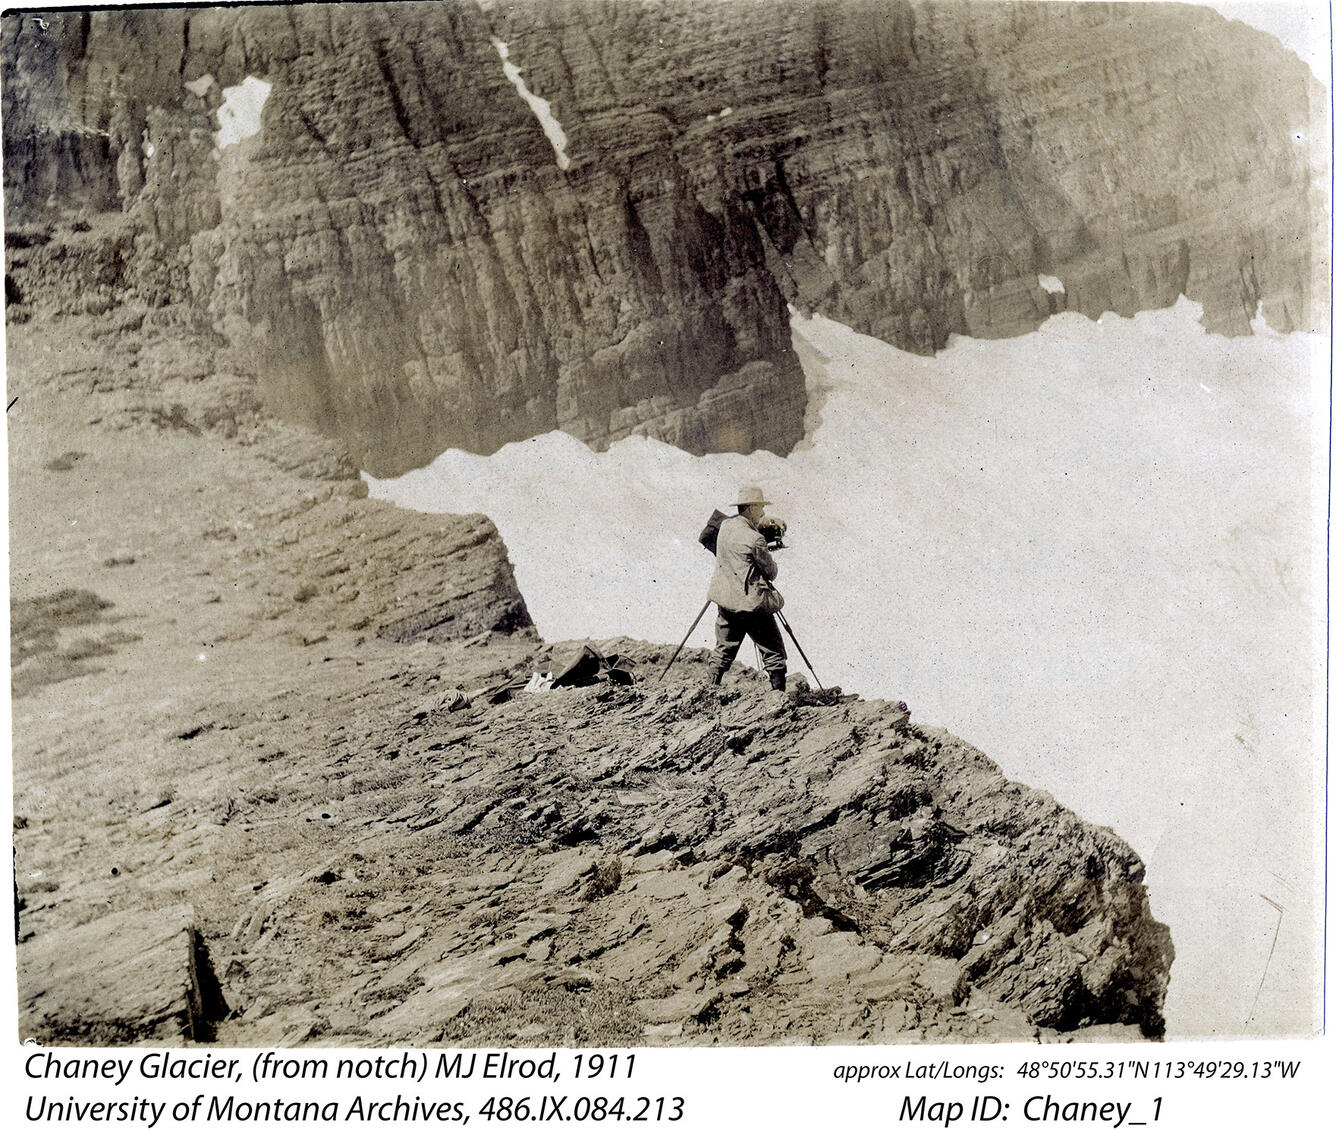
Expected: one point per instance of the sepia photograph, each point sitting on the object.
(667, 523)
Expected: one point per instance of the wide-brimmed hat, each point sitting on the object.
(751, 496)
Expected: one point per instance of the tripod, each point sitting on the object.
(787, 627)
(784, 624)
(687, 637)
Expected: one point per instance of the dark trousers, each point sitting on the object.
(729, 630)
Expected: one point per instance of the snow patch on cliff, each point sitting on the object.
(1061, 547)
(239, 114)
(540, 107)
(1052, 285)
(1302, 26)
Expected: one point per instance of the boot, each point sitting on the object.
(777, 681)
(716, 677)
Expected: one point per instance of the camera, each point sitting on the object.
(773, 530)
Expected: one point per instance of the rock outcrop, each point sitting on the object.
(315, 557)
(125, 978)
(401, 260)
(732, 848)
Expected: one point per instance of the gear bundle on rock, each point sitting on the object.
(589, 666)
(586, 666)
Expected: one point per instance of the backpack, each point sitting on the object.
(709, 536)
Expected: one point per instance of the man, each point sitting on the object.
(742, 588)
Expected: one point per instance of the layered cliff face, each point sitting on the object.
(403, 262)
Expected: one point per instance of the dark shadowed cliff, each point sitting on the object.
(401, 261)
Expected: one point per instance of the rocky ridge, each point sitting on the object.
(760, 868)
(401, 261)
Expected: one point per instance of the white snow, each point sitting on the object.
(540, 107)
(1303, 26)
(1058, 546)
(721, 115)
(200, 87)
(239, 114)
(1052, 285)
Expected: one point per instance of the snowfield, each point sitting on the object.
(1090, 551)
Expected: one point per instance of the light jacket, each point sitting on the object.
(742, 568)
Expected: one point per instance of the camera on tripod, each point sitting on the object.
(773, 530)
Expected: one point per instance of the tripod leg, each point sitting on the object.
(789, 629)
(687, 637)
